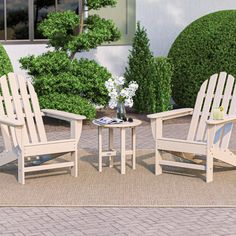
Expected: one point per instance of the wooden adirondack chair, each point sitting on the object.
(206, 136)
(23, 129)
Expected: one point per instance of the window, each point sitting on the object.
(19, 18)
(2, 33)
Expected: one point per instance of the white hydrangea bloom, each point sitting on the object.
(113, 94)
(112, 103)
(110, 85)
(133, 86)
(119, 81)
(129, 102)
(124, 93)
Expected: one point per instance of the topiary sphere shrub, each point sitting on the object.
(5, 63)
(205, 47)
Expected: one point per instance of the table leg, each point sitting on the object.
(100, 149)
(122, 150)
(111, 146)
(134, 147)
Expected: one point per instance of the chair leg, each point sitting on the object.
(209, 168)
(21, 171)
(74, 169)
(158, 158)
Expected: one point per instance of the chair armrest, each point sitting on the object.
(171, 114)
(62, 115)
(227, 119)
(11, 122)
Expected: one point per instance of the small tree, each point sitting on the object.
(152, 74)
(58, 73)
(72, 33)
(141, 68)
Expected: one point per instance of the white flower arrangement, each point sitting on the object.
(119, 94)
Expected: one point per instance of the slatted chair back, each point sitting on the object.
(19, 101)
(219, 90)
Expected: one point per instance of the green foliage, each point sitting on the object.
(63, 31)
(55, 72)
(57, 76)
(97, 31)
(162, 83)
(5, 63)
(205, 47)
(52, 63)
(141, 68)
(68, 102)
(97, 4)
(59, 27)
(92, 77)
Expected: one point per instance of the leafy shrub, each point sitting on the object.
(92, 77)
(52, 63)
(5, 63)
(141, 68)
(205, 47)
(55, 72)
(68, 102)
(162, 83)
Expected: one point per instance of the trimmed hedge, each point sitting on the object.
(5, 63)
(205, 47)
(68, 102)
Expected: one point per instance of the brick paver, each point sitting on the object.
(117, 221)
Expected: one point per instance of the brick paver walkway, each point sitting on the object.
(117, 221)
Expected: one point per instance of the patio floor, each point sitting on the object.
(138, 187)
(117, 221)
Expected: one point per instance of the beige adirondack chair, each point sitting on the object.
(206, 137)
(23, 129)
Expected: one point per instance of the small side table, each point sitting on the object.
(111, 152)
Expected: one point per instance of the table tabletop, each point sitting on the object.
(125, 124)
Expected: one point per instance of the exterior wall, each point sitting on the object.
(163, 19)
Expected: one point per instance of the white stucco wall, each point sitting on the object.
(163, 19)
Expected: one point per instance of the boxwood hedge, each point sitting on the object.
(5, 63)
(205, 47)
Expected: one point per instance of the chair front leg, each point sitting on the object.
(157, 130)
(76, 130)
(21, 157)
(210, 157)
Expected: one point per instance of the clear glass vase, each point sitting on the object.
(121, 112)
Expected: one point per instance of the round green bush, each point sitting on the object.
(68, 102)
(205, 47)
(5, 63)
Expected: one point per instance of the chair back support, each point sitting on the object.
(219, 90)
(19, 101)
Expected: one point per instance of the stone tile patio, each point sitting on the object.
(117, 221)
